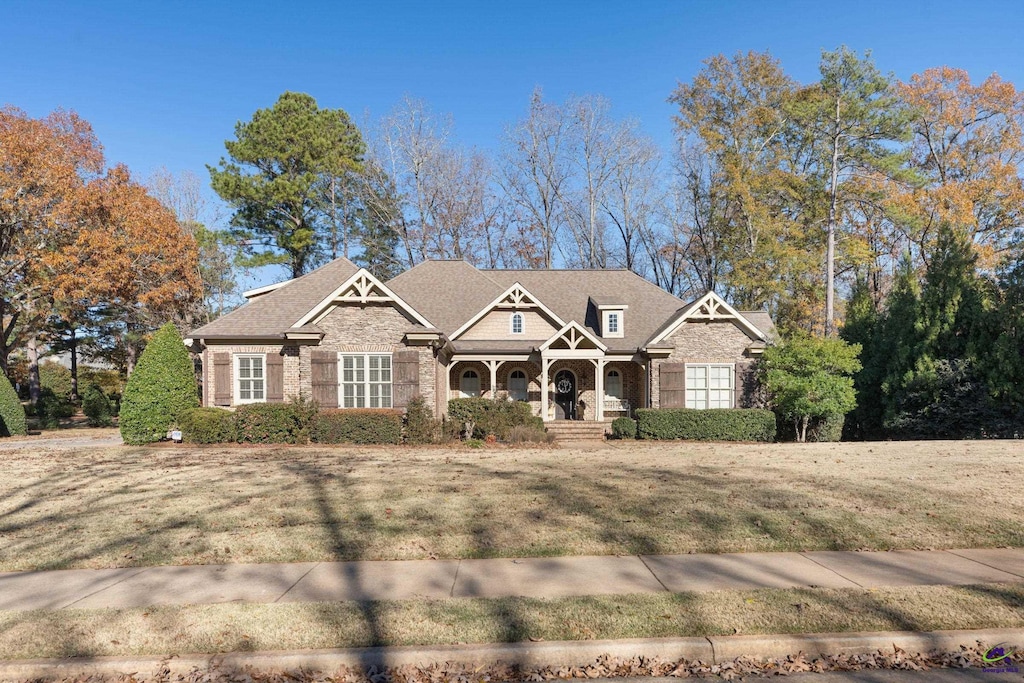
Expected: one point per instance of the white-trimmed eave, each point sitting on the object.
(565, 328)
(497, 302)
(731, 314)
(390, 297)
(266, 289)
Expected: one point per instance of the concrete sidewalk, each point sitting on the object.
(531, 577)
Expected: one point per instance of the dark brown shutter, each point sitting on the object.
(222, 379)
(324, 368)
(405, 381)
(673, 385)
(275, 378)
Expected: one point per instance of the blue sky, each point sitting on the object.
(164, 83)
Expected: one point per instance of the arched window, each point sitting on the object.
(613, 384)
(516, 323)
(517, 385)
(469, 384)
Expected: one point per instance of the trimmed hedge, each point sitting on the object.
(420, 425)
(360, 425)
(732, 424)
(624, 428)
(12, 415)
(492, 417)
(207, 425)
(273, 422)
(160, 390)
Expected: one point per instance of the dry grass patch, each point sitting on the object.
(116, 507)
(245, 627)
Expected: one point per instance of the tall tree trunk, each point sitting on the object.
(830, 249)
(33, 370)
(73, 348)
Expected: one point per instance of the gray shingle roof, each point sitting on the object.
(270, 314)
(447, 293)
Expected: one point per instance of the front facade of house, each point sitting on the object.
(576, 344)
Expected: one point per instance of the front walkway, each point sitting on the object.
(532, 577)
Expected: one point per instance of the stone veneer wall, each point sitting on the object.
(349, 327)
(707, 342)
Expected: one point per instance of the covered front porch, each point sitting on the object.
(569, 377)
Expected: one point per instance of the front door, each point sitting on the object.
(565, 395)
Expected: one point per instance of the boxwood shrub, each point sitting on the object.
(12, 415)
(733, 424)
(207, 425)
(492, 417)
(359, 425)
(273, 422)
(624, 428)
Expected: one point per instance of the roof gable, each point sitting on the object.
(361, 288)
(515, 297)
(271, 312)
(573, 337)
(709, 307)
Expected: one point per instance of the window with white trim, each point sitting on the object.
(516, 323)
(469, 384)
(365, 380)
(710, 386)
(250, 378)
(613, 385)
(613, 322)
(517, 385)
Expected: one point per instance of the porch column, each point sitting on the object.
(447, 385)
(599, 388)
(544, 363)
(493, 365)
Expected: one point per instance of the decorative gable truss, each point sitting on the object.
(573, 341)
(361, 288)
(515, 298)
(710, 307)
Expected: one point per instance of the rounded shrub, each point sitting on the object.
(162, 388)
(207, 425)
(96, 406)
(624, 428)
(12, 415)
(56, 378)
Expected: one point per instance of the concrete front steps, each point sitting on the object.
(570, 431)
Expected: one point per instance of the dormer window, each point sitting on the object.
(516, 323)
(613, 320)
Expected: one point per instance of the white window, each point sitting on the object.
(613, 322)
(516, 324)
(613, 385)
(517, 385)
(365, 380)
(709, 386)
(469, 384)
(250, 381)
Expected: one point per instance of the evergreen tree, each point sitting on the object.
(275, 178)
(12, 415)
(160, 390)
